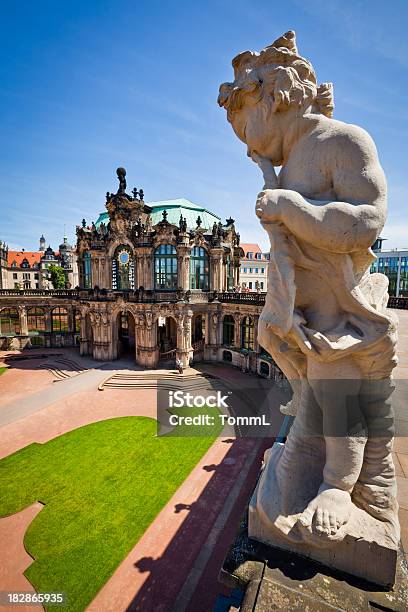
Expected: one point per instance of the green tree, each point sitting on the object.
(57, 276)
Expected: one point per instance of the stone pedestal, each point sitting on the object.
(368, 548)
(274, 579)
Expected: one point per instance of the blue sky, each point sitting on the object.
(86, 86)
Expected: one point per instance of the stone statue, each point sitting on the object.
(121, 173)
(329, 492)
(149, 224)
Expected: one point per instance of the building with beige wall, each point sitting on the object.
(254, 268)
(30, 269)
(155, 281)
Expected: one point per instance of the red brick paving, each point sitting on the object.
(14, 558)
(21, 379)
(75, 411)
(153, 573)
(151, 576)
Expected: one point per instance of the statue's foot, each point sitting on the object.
(327, 512)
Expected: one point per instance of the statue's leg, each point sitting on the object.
(375, 490)
(336, 387)
(290, 360)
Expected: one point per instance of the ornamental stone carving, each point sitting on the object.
(330, 491)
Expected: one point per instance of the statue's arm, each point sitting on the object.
(351, 222)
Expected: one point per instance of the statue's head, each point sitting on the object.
(268, 84)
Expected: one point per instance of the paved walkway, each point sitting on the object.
(176, 562)
(15, 562)
(164, 561)
(400, 402)
(197, 510)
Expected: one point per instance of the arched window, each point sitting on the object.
(35, 320)
(165, 267)
(77, 322)
(264, 369)
(59, 319)
(199, 269)
(9, 322)
(228, 330)
(123, 269)
(87, 278)
(247, 333)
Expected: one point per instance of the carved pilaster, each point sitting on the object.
(216, 279)
(183, 266)
(237, 330)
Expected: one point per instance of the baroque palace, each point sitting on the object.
(156, 281)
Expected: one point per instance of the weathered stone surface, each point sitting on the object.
(275, 579)
(324, 320)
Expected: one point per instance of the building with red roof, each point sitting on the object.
(254, 268)
(29, 269)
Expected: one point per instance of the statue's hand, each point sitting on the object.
(267, 206)
(268, 170)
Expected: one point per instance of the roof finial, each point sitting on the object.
(121, 172)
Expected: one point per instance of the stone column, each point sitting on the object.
(237, 267)
(103, 281)
(256, 343)
(100, 279)
(213, 328)
(71, 319)
(103, 346)
(94, 271)
(48, 326)
(108, 273)
(237, 331)
(48, 322)
(144, 266)
(184, 347)
(139, 273)
(147, 351)
(212, 336)
(183, 266)
(216, 283)
(83, 339)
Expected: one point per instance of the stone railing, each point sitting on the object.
(257, 299)
(59, 293)
(153, 296)
(398, 302)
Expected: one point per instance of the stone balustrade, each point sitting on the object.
(152, 296)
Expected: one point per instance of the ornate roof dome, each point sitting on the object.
(175, 208)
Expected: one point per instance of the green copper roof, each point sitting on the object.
(175, 208)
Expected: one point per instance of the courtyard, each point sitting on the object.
(94, 504)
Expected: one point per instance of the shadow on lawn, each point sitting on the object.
(168, 573)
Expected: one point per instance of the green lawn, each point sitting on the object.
(2, 370)
(102, 485)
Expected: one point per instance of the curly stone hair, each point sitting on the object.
(278, 76)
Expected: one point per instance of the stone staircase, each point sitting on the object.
(62, 368)
(151, 380)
